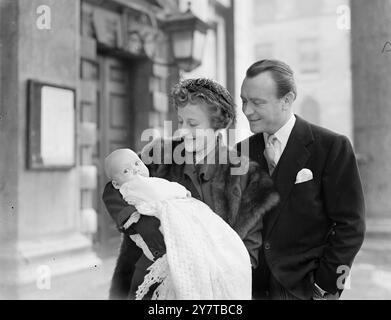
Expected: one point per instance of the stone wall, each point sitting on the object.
(308, 36)
(39, 210)
(8, 144)
(48, 203)
(371, 69)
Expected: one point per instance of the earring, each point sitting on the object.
(220, 137)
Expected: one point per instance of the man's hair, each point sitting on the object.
(282, 75)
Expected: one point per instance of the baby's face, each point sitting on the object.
(127, 169)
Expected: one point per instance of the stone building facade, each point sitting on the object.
(340, 51)
(308, 35)
(117, 57)
(371, 71)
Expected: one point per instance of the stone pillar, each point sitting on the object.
(243, 53)
(39, 210)
(371, 71)
(9, 155)
(88, 134)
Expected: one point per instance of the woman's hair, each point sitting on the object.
(216, 98)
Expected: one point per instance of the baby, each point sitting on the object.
(130, 175)
(205, 258)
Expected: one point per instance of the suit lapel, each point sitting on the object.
(293, 159)
(257, 144)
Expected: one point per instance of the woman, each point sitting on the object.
(204, 108)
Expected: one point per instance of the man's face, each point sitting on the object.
(263, 109)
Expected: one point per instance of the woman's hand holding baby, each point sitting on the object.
(148, 228)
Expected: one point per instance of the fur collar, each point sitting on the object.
(241, 200)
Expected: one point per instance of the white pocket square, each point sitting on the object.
(304, 175)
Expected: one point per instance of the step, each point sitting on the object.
(378, 227)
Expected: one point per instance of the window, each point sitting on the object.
(308, 51)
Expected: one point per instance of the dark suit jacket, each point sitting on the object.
(319, 225)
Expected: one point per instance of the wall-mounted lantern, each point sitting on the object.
(188, 34)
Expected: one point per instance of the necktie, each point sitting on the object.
(270, 153)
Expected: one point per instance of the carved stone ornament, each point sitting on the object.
(144, 25)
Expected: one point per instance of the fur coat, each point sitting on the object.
(241, 200)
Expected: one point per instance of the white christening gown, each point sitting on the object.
(205, 258)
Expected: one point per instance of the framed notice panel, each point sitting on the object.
(51, 126)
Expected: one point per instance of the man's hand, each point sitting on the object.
(320, 294)
(148, 228)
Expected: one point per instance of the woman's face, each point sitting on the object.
(194, 124)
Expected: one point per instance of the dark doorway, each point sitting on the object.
(116, 130)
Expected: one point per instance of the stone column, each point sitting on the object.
(40, 232)
(371, 71)
(9, 151)
(88, 134)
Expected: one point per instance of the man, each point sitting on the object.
(311, 239)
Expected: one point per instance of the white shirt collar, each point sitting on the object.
(284, 132)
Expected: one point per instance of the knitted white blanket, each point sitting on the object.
(205, 258)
